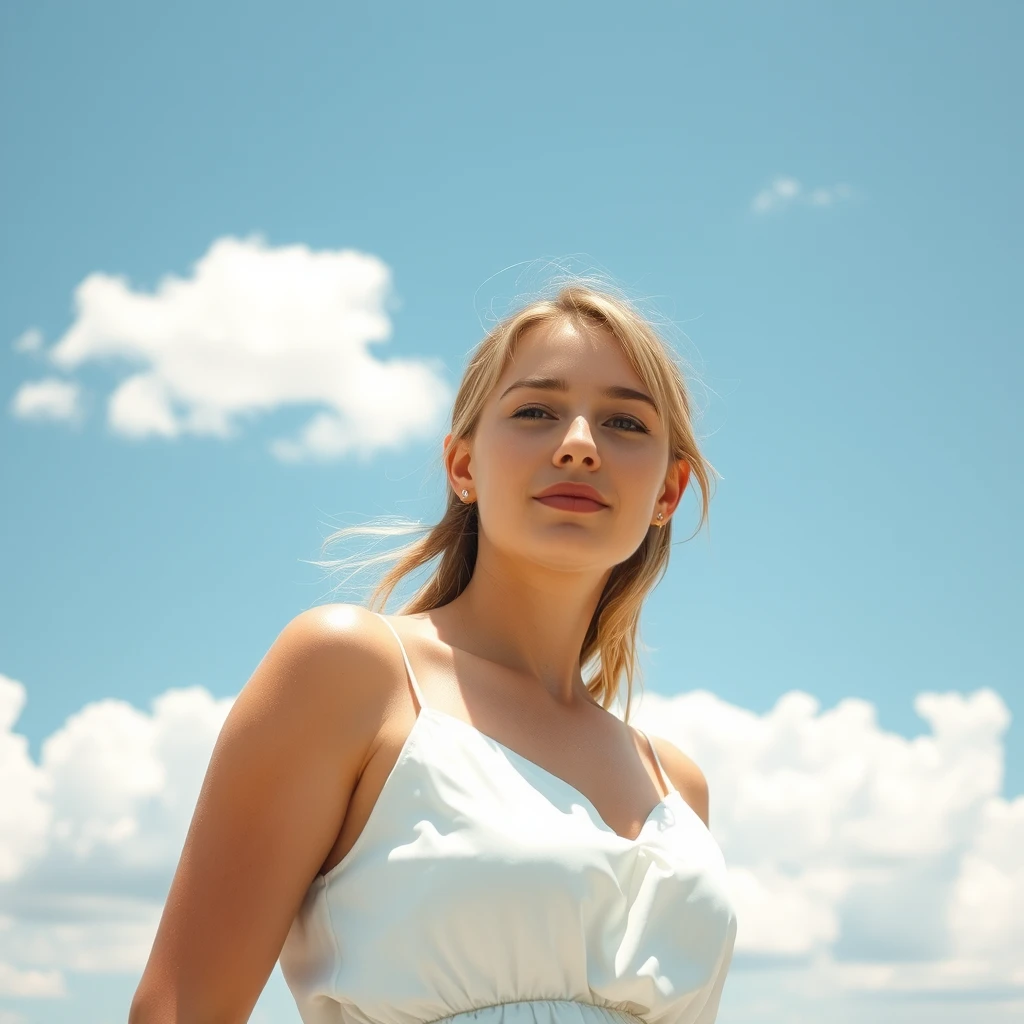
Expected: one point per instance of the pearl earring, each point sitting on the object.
(661, 515)
(465, 493)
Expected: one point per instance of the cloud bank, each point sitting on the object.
(865, 860)
(253, 330)
(889, 864)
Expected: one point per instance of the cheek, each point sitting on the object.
(642, 465)
(505, 458)
(509, 440)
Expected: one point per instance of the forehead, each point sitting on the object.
(581, 354)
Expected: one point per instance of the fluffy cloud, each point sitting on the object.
(785, 191)
(887, 863)
(90, 836)
(864, 861)
(25, 809)
(252, 330)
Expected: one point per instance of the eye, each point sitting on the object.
(529, 408)
(636, 423)
(635, 426)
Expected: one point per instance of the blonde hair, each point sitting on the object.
(611, 638)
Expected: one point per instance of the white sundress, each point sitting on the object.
(485, 889)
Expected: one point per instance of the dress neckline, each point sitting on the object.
(666, 806)
(595, 814)
(423, 705)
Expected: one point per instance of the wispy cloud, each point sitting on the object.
(29, 341)
(30, 984)
(865, 861)
(784, 192)
(252, 330)
(49, 399)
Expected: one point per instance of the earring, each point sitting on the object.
(661, 515)
(465, 493)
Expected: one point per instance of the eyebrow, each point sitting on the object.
(561, 384)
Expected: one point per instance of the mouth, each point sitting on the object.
(571, 503)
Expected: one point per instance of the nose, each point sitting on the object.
(578, 445)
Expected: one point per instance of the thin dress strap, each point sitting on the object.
(665, 780)
(420, 702)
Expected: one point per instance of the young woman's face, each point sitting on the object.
(530, 437)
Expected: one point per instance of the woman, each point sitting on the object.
(433, 816)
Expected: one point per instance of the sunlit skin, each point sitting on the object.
(540, 570)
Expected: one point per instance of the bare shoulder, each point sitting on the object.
(275, 793)
(340, 665)
(685, 775)
(331, 628)
(317, 697)
(338, 651)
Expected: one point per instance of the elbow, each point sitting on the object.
(148, 1007)
(140, 1012)
(151, 1005)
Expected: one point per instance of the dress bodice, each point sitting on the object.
(485, 888)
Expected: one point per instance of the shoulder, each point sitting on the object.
(322, 694)
(332, 629)
(685, 775)
(335, 658)
(276, 790)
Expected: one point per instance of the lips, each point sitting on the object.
(573, 496)
(573, 490)
(567, 503)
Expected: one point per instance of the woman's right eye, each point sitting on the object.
(529, 408)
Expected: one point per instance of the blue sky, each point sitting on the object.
(824, 200)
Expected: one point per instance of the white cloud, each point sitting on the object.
(886, 862)
(784, 191)
(30, 984)
(862, 861)
(48, 399)
(255, 329)
(28, 341)
(25, 809)
(987, 909)
(90, 836)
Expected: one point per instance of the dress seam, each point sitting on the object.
(515, 1002)
(336, 970)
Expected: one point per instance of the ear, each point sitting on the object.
(676, 479)
(457, 462)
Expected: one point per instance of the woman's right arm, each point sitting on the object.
(271, 804)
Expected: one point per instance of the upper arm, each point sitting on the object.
(685, 776)
(271, 803)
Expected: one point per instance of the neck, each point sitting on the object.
(528, 618)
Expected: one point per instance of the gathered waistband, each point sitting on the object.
(541, 1011)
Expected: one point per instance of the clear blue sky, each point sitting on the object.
(860, 360)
